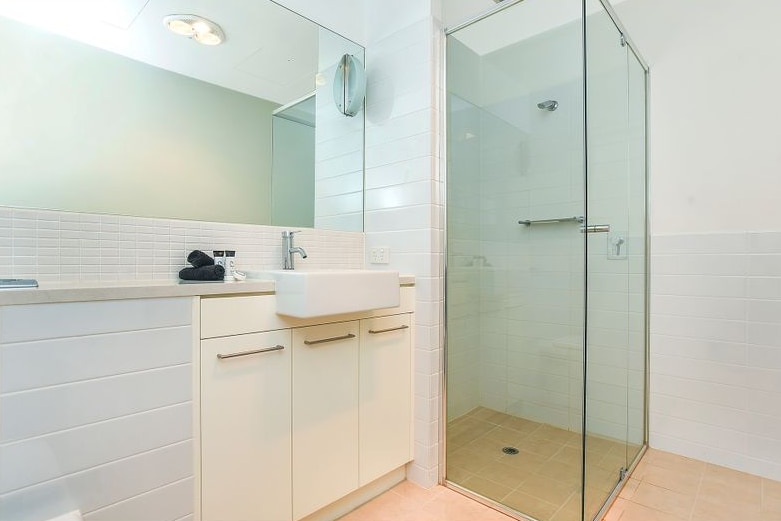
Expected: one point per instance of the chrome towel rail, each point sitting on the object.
(575, 219)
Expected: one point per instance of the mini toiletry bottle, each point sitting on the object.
(219, 258)
(230, 264)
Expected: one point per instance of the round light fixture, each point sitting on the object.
(196, 27)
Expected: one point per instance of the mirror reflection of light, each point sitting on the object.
(199, 29)
(180, 27)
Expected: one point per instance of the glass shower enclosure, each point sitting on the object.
(546, 286)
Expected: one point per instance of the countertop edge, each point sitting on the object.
(48, 293)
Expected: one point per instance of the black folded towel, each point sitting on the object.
(215, 272)
(198, 258)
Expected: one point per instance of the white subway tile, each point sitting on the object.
(42, 411)
(49, 457)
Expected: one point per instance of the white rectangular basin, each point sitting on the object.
(306, 294)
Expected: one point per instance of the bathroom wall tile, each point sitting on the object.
(711, 388)
(701, 285)
(143, 391)
(85, 447)
(701, 264)
(701, 243)
(170, 501)
(701, 307)
(122, 480)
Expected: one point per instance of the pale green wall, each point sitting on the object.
(293, 174)
(86, 130)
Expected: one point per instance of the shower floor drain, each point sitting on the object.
(510, 450)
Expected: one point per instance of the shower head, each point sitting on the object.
(549, 105)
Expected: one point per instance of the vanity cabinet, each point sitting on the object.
(245, 427)
(288, 430)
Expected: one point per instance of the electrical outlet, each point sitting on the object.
(380, 255)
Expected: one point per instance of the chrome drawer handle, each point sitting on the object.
(378, 331)
(253, 352)
(332, 339)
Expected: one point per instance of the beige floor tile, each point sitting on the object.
(487, 488)
(570, 455)
(720, 482)
(672, 461)
(470, 461)
(531, 505)
(521, 425)
(509, 471)
(571, 510)
(526, 460)
(771, 499)
(556, 434)
(630, 487)
(602, 479)
(663, 499)
(568, 474)
(549, 490)
(623, 510)
(467, 431)
(771, 488)
(452, 506)
(723, 508)
(412, 492)
(488, 415)
(457, 474)
(506, 436)
(685, 480)
(541, 446)
(486, 446)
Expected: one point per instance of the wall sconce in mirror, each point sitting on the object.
(195, 27)
(349, 85)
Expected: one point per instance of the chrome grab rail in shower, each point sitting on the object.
(594, 228)
(575, 219)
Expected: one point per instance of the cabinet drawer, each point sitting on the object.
(236, 315)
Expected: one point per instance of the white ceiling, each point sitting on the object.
(520, 22)
(269, 51)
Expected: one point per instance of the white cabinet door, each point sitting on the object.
(385, 395)
(325, 415)
(245, 427)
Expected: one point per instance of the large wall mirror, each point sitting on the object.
(104, 109)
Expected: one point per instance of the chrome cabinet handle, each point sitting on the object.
(253, 352)
(378, 331)
(332, 339)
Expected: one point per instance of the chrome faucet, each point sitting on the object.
(290, 249)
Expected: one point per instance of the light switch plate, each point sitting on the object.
(379, 255)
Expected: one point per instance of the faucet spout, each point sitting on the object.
(298, 249)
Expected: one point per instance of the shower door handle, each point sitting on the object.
(595, 228)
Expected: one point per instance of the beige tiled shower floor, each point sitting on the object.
(543, 479)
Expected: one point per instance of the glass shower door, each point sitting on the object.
(616, 238)
(515, 258)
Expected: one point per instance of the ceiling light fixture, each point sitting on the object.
(196, 27)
